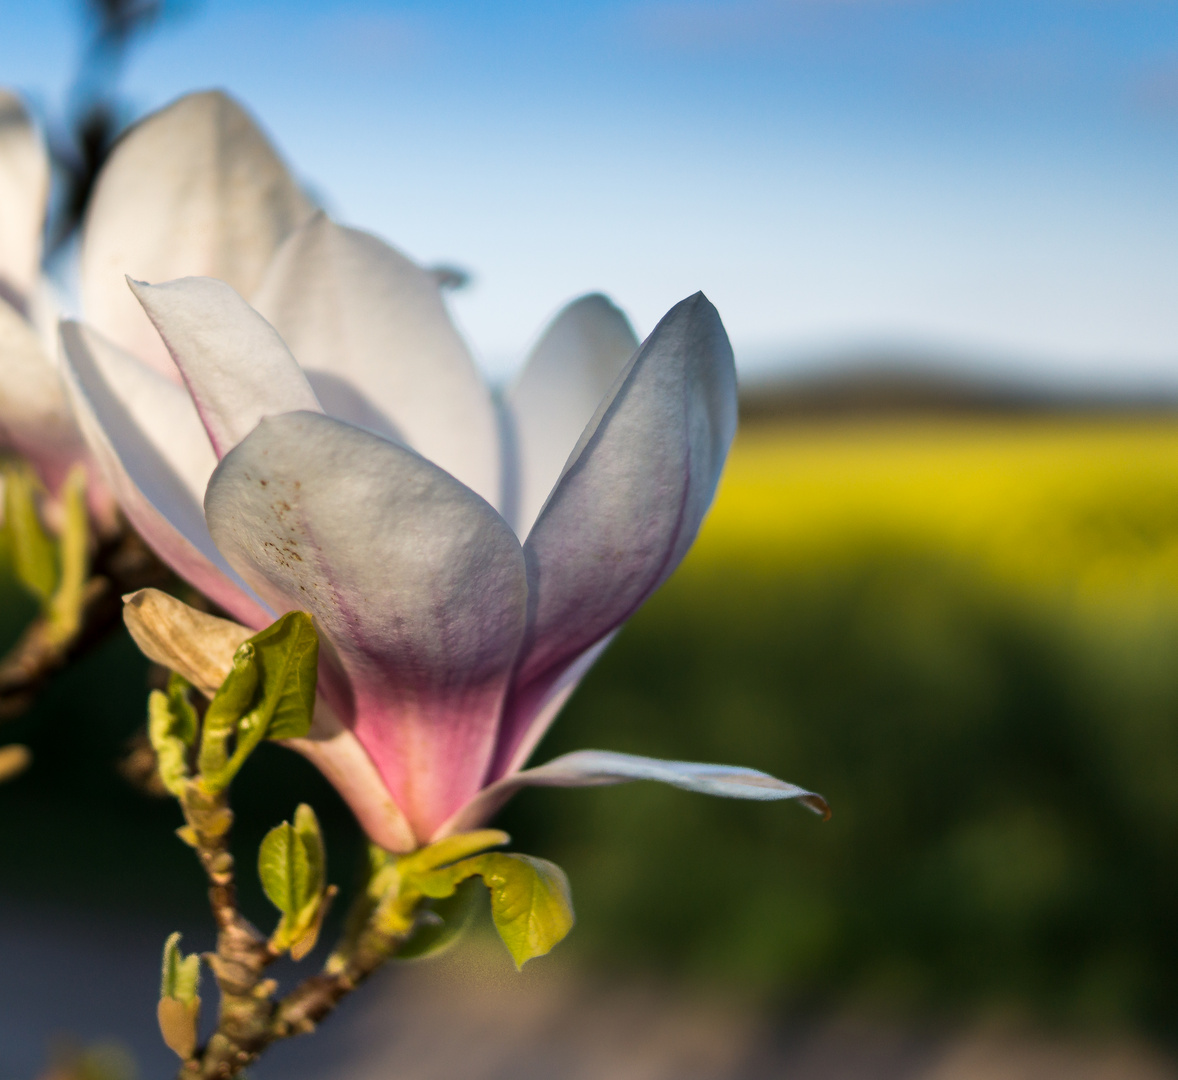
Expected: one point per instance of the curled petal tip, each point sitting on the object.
(816, 803)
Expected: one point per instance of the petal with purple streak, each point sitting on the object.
(626, 508)
(417, 586)
(595, 768)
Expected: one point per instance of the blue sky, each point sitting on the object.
(990, 181)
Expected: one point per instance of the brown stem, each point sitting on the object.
(250, 1020)
(314, 998)
(121, 564)
(242, 953)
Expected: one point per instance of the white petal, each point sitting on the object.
(628, 505)
(152, 449)
(193, 190)
(34, 414)
(340, 757)
(415, 582)
(373, 333)
(565, 378)
(24, 189)
(236, 366)
(594, 768)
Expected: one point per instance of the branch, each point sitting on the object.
(122, 564)
(242, 953)
(250, 1020)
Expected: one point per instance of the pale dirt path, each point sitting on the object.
(468, 1016)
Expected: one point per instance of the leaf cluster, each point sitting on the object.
(52, 568)
(269, 693)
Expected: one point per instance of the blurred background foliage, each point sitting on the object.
(962, 632)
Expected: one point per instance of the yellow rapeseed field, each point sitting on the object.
(1083, 506)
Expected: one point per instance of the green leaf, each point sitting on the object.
(229, 705)
(184, 715)
(530, 903)
(283, 868)
(268, 693)
(65, 607)
(288, 652)
(33, 556)
(306, 827)
(292, 864)
(180, 978)
(451, 850)
(171, 728)
(444, 923)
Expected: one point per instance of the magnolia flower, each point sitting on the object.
(192, 189)
(35, 420)
(463, 569)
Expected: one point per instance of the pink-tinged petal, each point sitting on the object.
(155, 457)
(595, 768)
(35, 417)
(24, 190)
(194, 189)
(627, 506)
(372, 331)
(416, 584)
(234, 363)
(337, 753)
(565, 378)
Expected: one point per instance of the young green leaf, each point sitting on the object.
(269, 693)
(292, 864)
(171, 728)
(33, 556)
(228, 706)
(288, 652)
(444, 922)
(530, 903)
(65, 607)
(178, 1012)
(180, 975)
(306, 827)
(184, 720)
(451, 850)
(283, 868)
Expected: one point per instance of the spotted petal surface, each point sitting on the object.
(415, 582)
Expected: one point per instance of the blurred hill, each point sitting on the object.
(894, 385)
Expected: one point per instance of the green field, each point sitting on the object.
(962, 633)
